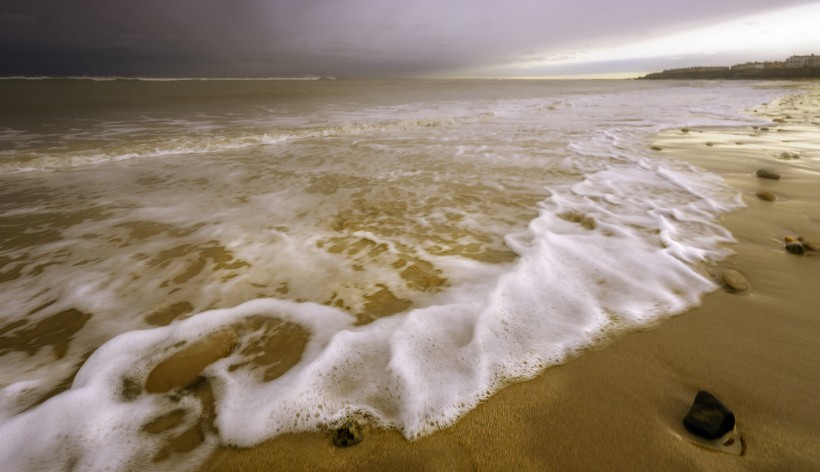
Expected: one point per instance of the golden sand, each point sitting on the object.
(620, 406)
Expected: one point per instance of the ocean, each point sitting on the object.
(389, 251)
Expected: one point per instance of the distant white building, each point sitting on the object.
(803, 61)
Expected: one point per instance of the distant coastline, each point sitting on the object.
(795, 67)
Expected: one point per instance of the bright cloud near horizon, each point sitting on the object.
(391, 38)
(773, 35)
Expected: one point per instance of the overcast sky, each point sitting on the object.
(363, 38)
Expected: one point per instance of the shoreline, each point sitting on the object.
(790, 74)
(620, 405)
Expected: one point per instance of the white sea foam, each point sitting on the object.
(421, 370)
(616, 239)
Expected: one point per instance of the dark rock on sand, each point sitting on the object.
(349, 434)
(708, 417)
(795, 247)
(789, 155)
(767, 174)
(734, 281)
(766, 196)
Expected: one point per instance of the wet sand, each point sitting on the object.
(620, 405)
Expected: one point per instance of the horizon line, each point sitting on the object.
(112, 78)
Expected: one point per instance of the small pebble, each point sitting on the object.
(767, 174)
(655, 148)
(734, 281)
(766, 196)
(795, 247)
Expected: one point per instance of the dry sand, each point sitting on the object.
(620, 406)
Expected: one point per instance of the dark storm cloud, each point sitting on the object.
(342, 37)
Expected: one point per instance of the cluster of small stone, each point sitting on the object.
(793, 244)
(765, 195)
(799, 246)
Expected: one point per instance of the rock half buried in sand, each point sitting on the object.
(708, 418)
(349, 434)
(767, 174)
(766, 196)
(183, 367)
(734, 281)
(712, 426)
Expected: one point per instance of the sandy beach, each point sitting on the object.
(620, 405)
(516, 282)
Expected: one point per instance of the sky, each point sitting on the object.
(396, 38)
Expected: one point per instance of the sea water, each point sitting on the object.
(387, 251)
